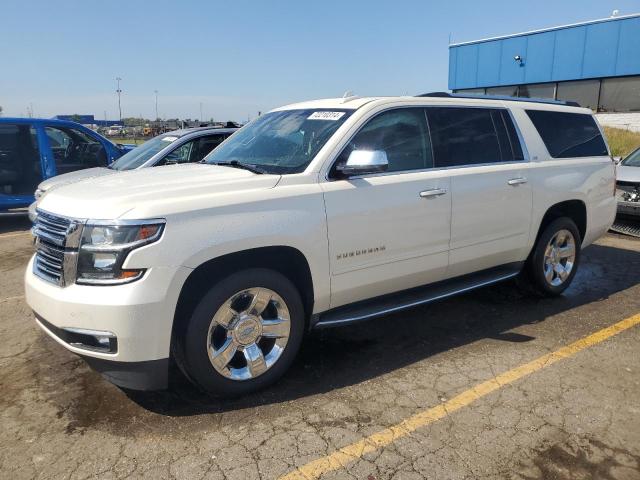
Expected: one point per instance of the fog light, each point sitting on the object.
(96, 340)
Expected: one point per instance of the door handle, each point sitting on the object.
(517, 181)
(436, 192)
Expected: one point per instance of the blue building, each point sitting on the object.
(596, 64)
(88, 120)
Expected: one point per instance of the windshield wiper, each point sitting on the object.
(244, 166)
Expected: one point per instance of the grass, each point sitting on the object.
(622, 142)
(133, 141)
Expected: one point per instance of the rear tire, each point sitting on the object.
(244, 333)
(554, 260)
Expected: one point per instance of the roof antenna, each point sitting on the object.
(348, 95)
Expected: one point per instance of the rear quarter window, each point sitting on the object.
(569, 135)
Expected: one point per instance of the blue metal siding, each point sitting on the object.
(628, 58)
(600, 49)
(511, 72)
(539, 61)
(488, 57)
(569, 52)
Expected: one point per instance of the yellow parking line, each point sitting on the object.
(345, 455)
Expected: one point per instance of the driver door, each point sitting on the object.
(388, 231)
(73, 149)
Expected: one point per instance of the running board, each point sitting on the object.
(394, 302)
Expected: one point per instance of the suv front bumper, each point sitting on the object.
(135, 318)
(629, 208)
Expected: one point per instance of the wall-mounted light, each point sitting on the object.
(519, 60)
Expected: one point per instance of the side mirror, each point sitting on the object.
(362, 162)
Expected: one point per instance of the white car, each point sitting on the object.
(179, 146)
(316, 214)
(628, 184)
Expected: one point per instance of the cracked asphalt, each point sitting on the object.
(576, 419)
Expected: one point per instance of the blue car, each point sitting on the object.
(32, 150)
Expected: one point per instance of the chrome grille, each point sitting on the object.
(56, 246)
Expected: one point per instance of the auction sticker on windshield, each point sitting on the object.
(325, 116)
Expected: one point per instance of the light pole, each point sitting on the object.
(200, 111)
(118, 91)
(156, 92)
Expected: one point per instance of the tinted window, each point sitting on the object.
(401, 134)
(206, 145)
(471, 136)
(568, 135)
(514, 139)
(20, 169)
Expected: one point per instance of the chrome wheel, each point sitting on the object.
(248, 333)
(559, 257)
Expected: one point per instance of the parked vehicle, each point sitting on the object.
(628, 185)
(32, 150)
(316, 214)
(180, 146)
(115, 131)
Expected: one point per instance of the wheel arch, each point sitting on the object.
(288, 261)
(574, 209)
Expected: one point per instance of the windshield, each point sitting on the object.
(633, 160)
(280, 142)
(139, 155)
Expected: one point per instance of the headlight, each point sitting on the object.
(104, 248)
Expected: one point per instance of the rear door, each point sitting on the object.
(491, 194)
(20, 164)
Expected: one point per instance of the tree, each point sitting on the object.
(0, 110)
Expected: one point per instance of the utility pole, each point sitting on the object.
(119, 92)
(156, 92)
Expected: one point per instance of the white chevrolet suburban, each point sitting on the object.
(316, 214)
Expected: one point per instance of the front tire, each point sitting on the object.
(244, 333)
(554, 261)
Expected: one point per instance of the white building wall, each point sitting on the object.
(626, 121)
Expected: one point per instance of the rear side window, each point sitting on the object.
(472, 136)
(569, 135)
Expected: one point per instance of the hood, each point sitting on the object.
(72, 177)
(628, 174)
(151, 192)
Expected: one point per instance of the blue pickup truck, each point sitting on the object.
(32, 150)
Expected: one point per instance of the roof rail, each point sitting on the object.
(499, 97)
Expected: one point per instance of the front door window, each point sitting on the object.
(74, 149)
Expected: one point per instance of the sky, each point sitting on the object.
(237, 58)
